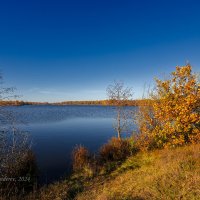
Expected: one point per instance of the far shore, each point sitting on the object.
(135, 102)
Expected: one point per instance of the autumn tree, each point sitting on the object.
(118, 96)
(172, 116)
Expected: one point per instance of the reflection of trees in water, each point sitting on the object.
(17, 161)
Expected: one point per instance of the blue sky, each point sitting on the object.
(72, 50)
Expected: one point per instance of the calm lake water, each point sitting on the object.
(56, 130)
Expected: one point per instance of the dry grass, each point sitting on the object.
(56, 191)
(162, 174)
(167, 174)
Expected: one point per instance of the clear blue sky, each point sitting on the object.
(71, 50)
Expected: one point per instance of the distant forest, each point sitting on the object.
(97, 102)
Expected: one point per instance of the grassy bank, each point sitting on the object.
(160, 161)
(160, 174)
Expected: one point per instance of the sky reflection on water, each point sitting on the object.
(56, 130)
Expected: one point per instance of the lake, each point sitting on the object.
(56, 130)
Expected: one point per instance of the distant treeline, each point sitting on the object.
(136, 102)
(21, 103)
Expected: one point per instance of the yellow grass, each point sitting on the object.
(168, 174)
(162, 174)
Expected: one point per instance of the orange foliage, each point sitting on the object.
(80, 158)
(173, 117)
(115, 150)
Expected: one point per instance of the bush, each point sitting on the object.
(19, 175)
(80, 158)
(171, 118)
(82, 162)
(115, 150)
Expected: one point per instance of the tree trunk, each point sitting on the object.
(118, 125)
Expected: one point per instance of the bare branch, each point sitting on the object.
(118, 96)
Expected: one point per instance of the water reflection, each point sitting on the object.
(55, 130)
